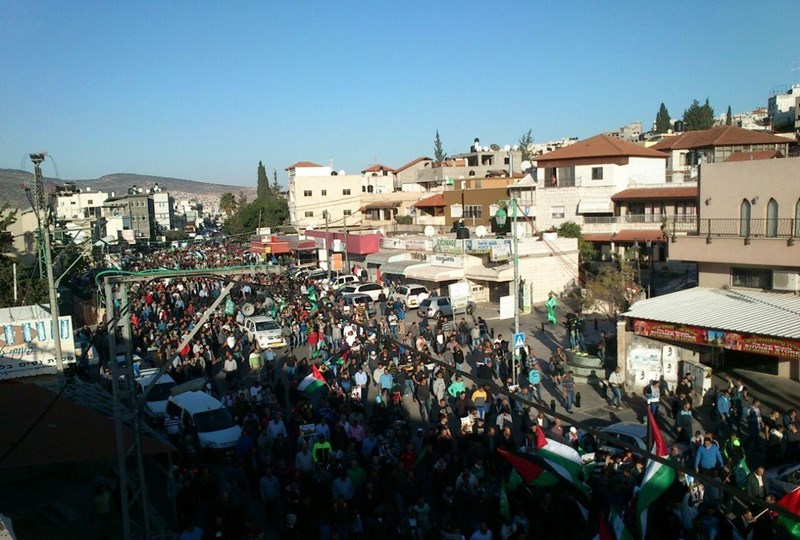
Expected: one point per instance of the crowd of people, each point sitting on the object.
(404, 438)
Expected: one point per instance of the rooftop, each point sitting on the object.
(412, 163)
(600, 146)
(656, 193)
(301, 165)
(378, 168)
(751, 156)
(436, 200)
(718, 136)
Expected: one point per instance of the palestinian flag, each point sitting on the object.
(562, 460)
(621, 531)
(791, 502)
(312, 382)
(657, 476)
(527, 471)
(505, 508)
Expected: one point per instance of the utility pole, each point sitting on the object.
(327, 216)
(42, 211)
(516, 278)
(346, 256)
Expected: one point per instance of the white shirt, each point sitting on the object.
(360, 378)
(230, 365)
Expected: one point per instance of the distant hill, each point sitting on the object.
(12, 182)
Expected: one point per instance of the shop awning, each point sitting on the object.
(434, 273)
(302, 245)
(627, 237)
(383, 257)
(736, 310)
(399, 268)
(588, 205)
(381, 205)
(502, 273)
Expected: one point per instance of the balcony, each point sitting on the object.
(602, 224)
(746, 229)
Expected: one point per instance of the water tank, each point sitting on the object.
(678, 126)
(462, 233)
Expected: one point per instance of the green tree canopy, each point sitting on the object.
(30, 289)
(271, 213)
(586, 251)
(263, 184)
(227, 203)
(439, 155)
(663, 122)
(276, 187)
(698, 117)
(611, 291)
(526, 145)
(729, 117)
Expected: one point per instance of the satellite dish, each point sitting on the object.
(480, 231)
(341, 172)
(515, 147)
(525, 165)
(248, 310)
(429, 231)
(507, 147)
(478, 148)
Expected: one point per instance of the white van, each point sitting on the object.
(206, 416)
(156, 404)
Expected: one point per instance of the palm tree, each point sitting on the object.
(227, 203)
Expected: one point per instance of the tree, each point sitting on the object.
(31, 290)
(611, 291)
(586, 251)
(526, 145)
(276, 187)
(698, 117)
(439, 155)
(227, 203)
(262, 191)
(241, 202)
(663, 121)
(729, 117)
(269, 213)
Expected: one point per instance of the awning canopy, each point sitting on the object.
(434, 273)
(436, 200)
(588, 205)
(502, 273)
(381, 204)
(736, 310)
(383, 257)
(627, 237)
(399, 267)
(302, 245)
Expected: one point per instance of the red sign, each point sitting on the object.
(752, 343)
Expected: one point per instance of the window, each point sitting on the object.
(370, 189)
(753, 278)
(557, 212)
(473, 211)
(347, 212)
(310, 213)
(744, 218)
(345, 192)
(797, 218)
(324, 192)
(90, 202)
(363, 189)
(307, 193)
(772, 218)
(597, 173)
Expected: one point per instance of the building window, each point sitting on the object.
(324, 192)
(310, 213)
(363, 189)
(752, 278)
(473, 211)
(90, 202)
(797, 217)
(307, 193)
(597, 173)
(744, 218)
(772, 218)
(345, 192)
(347, 212)
(557, 212)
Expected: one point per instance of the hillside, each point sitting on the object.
(12, 180)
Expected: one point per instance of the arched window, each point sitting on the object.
(797, 219)
(744, 218)
(772, 218)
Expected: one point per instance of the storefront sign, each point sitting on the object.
(27, 347)
(448, 245)
(392, 243)
(735, 341)
(644, 365)
(479, 246)
(319, 242)
(500, 252)
(459, 295)
(450, 261)
(418, 245)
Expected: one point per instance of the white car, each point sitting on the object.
(207, 417)
(156, 404)
(264, 331)
(373, 290)
(410, 295)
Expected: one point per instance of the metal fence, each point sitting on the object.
(683, 219)
(745, 228)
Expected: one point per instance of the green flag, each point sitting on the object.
(504, 506)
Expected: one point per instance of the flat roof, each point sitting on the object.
(737, 310)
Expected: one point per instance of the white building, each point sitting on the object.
(79, 209)
(164, 209)
(781, 109)
(316, 189)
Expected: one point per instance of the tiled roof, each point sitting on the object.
(436, 200)
(626, 236)
(378, 168)
(641, 194)
(301, 164)
(750, 156)
(718, 136)
(412, 163)
(599, 146)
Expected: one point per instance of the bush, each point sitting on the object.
(404, 220)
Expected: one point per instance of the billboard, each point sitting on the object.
(27, 347)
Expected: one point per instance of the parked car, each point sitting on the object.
(372, 289)
(630, 433)
(264, 331)
(156, 403)
(338, 281)
(206, 418)
(783, 479)
(410, 295)
(357, 301)
(440, 306)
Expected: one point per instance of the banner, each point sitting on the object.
(735, 341)
(27, 347)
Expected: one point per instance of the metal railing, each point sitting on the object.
(690, 219)
(743, 228)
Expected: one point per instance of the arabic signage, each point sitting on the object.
(419, 245)
(735, 341)
(27, 347)
(387, 242)
(459, 295)
(500, 252)
(485, 245)
(450, 261)
(448, 245)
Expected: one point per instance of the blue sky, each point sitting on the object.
(204, 90)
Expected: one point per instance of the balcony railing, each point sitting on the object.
(744, 228)
(640, 218)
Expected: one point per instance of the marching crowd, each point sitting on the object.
(407, 436)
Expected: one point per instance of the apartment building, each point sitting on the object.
(130, 216)
(79, 209)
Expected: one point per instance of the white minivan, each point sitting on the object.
(206, 416)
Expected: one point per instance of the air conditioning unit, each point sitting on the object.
(783, 280)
